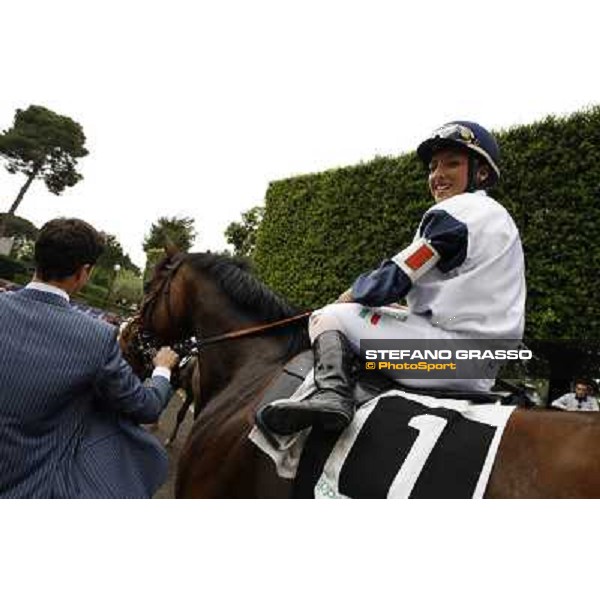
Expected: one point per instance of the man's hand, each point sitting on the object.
(165, 357)
(346, 296)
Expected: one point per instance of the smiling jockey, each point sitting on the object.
(462, 276)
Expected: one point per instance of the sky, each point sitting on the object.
(191, 108)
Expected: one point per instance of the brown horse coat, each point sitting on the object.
(543, 453)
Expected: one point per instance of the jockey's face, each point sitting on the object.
(448, 173)
(581, 390)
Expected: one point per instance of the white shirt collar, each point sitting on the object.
(50, 289)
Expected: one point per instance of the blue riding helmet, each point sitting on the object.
(464, 134)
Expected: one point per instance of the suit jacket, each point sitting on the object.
(70, 406)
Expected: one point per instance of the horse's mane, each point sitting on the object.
(234, 278)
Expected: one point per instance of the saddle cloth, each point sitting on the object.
(400, 444)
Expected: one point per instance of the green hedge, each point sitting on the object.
(10, 267)
(320, 231)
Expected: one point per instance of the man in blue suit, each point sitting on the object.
(70, 406)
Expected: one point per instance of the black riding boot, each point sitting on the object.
(331, 406)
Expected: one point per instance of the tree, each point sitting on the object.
(179, 230)
(242, 235)
(113, 254)
(44, 145)
(19, 228)
(153, 257)
(24, 233)
(128, 287)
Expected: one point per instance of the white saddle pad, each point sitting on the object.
(402, 445)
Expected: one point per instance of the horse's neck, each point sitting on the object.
(243, 359)
(248, 360)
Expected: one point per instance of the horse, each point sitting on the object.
(542, 454)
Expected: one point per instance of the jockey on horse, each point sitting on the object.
(463, 277)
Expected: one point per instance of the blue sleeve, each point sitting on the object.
(389, 283)
(448, 236)
(382, 286)
(118, 387)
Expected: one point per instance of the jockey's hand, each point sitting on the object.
(346, 296)
(166, 357)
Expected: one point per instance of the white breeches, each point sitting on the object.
(358, 322)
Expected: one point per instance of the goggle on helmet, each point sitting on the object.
(463, 134)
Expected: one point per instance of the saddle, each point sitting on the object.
(370, 384)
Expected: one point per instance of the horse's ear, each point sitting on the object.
(170, 248)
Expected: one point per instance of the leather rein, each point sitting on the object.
(146, 343)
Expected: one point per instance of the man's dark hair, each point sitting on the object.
(64, 245)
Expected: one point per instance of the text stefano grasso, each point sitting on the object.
(497, 354)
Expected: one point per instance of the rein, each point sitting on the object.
(144, 343)
(196, 345)
(188, 347)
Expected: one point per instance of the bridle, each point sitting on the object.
(145, 343)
